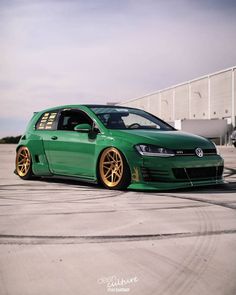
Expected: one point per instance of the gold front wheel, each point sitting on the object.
(24, 163)
(113, 169)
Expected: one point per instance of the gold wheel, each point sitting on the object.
(23, 161)
(111, 167)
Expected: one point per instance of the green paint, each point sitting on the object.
(75, 153)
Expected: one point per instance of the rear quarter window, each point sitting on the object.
(47, 121)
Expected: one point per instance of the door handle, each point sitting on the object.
(54, 137)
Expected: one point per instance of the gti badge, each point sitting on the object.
(199, 152)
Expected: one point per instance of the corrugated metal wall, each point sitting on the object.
(199, 99)
(221, 95)
(209, 97)
(182, 103)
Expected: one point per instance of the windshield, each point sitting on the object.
(128, 118)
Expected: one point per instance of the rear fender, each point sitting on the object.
(35, 145)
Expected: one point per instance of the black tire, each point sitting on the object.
(24, 163)
(113, 170)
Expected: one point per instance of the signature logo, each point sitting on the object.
(199, 152)
(116, 284)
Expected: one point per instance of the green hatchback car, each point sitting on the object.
(116, 146)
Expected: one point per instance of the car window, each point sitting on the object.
(69, 119)
(128, 118)
(47, 121)
(137, 119)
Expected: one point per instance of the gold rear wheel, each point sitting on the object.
(23, 163)
(113, 169)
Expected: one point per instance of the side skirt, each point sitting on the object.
(82, 179)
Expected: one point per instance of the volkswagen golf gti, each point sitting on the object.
(119, 147)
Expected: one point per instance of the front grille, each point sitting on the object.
(191, 152)
(153, 174)
(198, 173)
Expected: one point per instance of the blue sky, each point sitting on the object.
(58, 52)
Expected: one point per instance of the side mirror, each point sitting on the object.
(83, 127)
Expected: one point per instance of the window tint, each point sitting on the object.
(129, 118)
(69, 119)
(140, 120)
(47, 121)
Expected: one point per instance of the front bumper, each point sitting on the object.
(156, 173)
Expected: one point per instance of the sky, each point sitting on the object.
(56, 52)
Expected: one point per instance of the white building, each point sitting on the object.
(208, 97)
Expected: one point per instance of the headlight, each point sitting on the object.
(153, 151)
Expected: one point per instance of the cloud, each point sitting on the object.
(58, 52)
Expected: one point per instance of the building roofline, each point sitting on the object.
(181, 84)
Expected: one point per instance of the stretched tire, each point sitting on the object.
(24, 163)
(114, 172)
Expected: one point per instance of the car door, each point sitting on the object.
(70, 152)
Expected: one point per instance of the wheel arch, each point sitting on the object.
(99, 157)
(19, 146)
(24, 145)
(40, 164)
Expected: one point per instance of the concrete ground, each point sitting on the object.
(70, 238)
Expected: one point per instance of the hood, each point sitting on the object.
(168, 139)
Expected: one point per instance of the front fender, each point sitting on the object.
(134, 160)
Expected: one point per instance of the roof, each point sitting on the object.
(73, 106)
